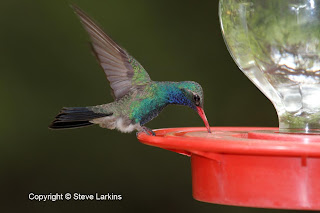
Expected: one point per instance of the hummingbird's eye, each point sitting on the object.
(196, 99)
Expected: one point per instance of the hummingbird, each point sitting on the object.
(137, 99)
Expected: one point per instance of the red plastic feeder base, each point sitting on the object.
(248, 166)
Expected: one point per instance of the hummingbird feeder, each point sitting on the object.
(276, 44)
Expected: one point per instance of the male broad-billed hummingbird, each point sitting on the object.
(138, 99)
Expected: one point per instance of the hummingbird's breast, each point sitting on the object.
(147, 104)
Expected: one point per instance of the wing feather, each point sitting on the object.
(116, 63)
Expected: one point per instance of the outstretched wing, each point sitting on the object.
(122, 70)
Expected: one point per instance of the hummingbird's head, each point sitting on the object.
(194, 99)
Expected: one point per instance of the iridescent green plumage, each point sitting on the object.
(138, 99)
(140, 76)
(149, 103)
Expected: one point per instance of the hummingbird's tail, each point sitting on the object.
(73, 117)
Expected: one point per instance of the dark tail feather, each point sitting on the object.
(73, 117)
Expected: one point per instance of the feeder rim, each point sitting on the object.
(234, 140)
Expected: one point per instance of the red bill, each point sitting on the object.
(204, 118)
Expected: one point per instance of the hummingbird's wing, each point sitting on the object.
(122, 70)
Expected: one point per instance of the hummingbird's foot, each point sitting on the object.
(147, 131)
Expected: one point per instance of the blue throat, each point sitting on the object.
(174, 95)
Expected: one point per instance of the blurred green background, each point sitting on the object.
(46, 64)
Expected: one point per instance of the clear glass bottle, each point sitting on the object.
(276, 43)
